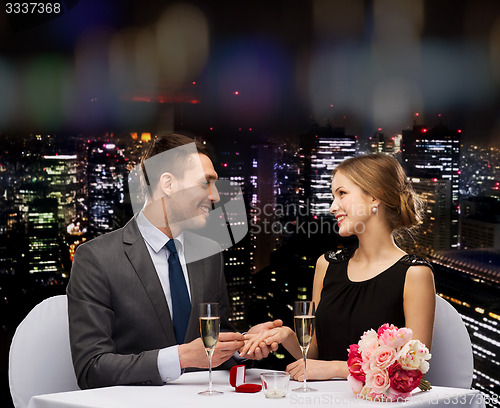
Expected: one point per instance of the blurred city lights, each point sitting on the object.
(121, 60)
(182, 43)
(47, 89)
(147, 63)
(338, 17)
(145, 137)
(494, 45)
(7, 85)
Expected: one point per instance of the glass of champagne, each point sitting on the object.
(209, 330)
(304, 329)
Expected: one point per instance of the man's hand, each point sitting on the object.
(263, 349)
(193, 354)
(259, 328)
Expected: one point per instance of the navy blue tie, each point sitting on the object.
(181, 305)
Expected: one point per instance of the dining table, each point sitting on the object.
(183, 392)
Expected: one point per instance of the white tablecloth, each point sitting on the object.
(184, 393)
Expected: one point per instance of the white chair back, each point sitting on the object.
(40, 356)
(452, 362)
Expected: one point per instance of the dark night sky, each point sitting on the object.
(287, 59)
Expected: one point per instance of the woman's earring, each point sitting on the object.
(375, 210)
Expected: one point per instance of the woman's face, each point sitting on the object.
(351, 206)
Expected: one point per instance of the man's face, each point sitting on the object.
(192, 194)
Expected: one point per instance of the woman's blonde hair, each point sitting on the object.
(382, 177)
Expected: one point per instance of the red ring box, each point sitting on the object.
(237, 380)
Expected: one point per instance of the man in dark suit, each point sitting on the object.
(133, 296)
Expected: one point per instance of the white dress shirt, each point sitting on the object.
(168, 358)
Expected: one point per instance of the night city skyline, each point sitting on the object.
(59, 191)
(282, 92)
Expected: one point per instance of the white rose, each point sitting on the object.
(424, 366)
(369, 340)
(414, 355)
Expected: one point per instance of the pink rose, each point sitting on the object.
(356, 385)
(366, 352)
(376, 396)
(365, 365)
(393, 337)
(404, 380)
(397, 396)
(378, 380)
(355, 365)
(353, 352)
(385, 327)
(403, 336)
(382, 357)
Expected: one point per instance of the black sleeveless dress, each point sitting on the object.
(347, 309)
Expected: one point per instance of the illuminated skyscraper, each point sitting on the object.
(263, 178)
(43, 230)
(105, 177)
(381, 143)
(434, 232)
(287, 190)
(238, 259)
(480, 223)
(61, 176)
(435, 153)
(322, 149)
(7, 247)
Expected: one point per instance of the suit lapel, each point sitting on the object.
(138, 254)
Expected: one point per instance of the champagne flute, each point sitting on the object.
(304, 329)
(209, 330)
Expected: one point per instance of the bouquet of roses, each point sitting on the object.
(387, 365)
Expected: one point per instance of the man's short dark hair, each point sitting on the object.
(177, 158)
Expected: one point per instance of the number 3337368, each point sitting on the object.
(32, 8)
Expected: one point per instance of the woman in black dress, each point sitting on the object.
(364, 287)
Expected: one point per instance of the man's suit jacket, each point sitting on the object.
(118, 314)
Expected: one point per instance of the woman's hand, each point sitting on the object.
(263, 350)
(267, 338)
(317, 369)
